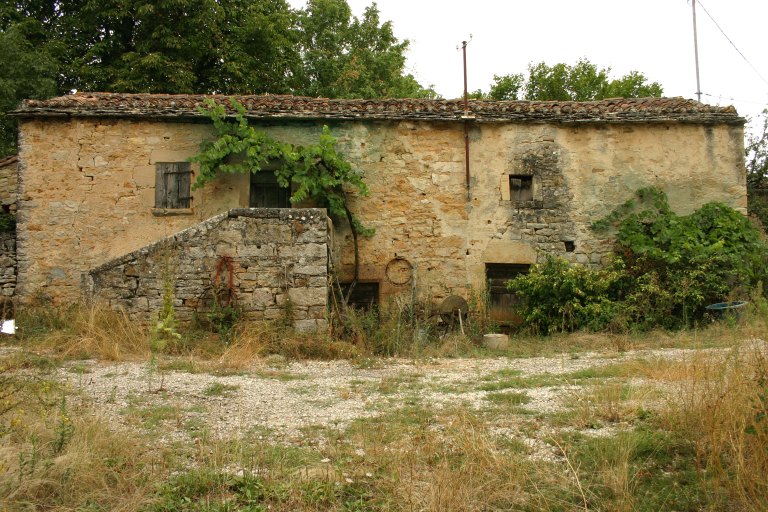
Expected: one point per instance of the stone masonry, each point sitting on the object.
(266, 263)
(8, 183)
(435, 233)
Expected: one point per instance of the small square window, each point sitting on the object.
(266, 192)
(364, 296)
(173, 181)
(520, 188)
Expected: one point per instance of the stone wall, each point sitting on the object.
(266, 263)
(8, 185)
(7, 266)
(103, 169)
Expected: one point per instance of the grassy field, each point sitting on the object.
(638, 431)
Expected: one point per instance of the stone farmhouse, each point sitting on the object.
(460, 200)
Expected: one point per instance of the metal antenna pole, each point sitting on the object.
(696, 50)
(464, 52)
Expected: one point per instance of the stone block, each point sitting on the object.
(308, 296)
(262, 298)
(310, 325)
(311, 270)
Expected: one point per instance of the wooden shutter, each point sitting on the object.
(172, 185)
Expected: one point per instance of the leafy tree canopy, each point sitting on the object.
(24, 73)
(582, 81)
(197, 46)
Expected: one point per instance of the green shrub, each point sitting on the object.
(667, 269)
(677, 265)
(560, 297)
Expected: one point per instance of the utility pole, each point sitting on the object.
(696, 50)
(466, 117)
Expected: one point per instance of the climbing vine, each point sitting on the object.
(317, 172)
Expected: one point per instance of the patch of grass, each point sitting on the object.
(184, 365)
(643, 470)
(219, 389)
(83, 331)
(508, 398)
(24, 360)
(722, 409)
(503, 379)
(396, 383)
(279, 375)
(152, 416)
(598, 404)
(79, 369)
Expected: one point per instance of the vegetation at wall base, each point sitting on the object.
(666, 269)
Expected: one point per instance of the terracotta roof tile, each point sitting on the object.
(297, 107)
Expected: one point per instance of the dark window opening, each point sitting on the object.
(365, 296)
(520, 188)
(569, 246)
(173, 182)
(502, 302)
(266, 192)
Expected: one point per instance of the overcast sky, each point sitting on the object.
(651, 36)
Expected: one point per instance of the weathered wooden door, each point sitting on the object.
(502, 302)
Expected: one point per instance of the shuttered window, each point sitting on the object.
(173, 182)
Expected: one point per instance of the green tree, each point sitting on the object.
(198, 46)
(24, 73)
(349, 57)
(219, 46)
(177, 46)
(756, 153)
(582, 81)
(507, 87)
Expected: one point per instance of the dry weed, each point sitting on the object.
(722, 406)
(63, 456)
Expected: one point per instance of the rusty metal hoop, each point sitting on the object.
(399, 271)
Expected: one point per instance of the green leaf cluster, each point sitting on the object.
(583, 81)
(560, 297)
(317, 171)
(667, 268)
(678, 264)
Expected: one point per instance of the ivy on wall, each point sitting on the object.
(317, 172)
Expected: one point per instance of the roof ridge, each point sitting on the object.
(104, 104)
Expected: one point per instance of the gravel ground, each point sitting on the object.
(293, 402)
